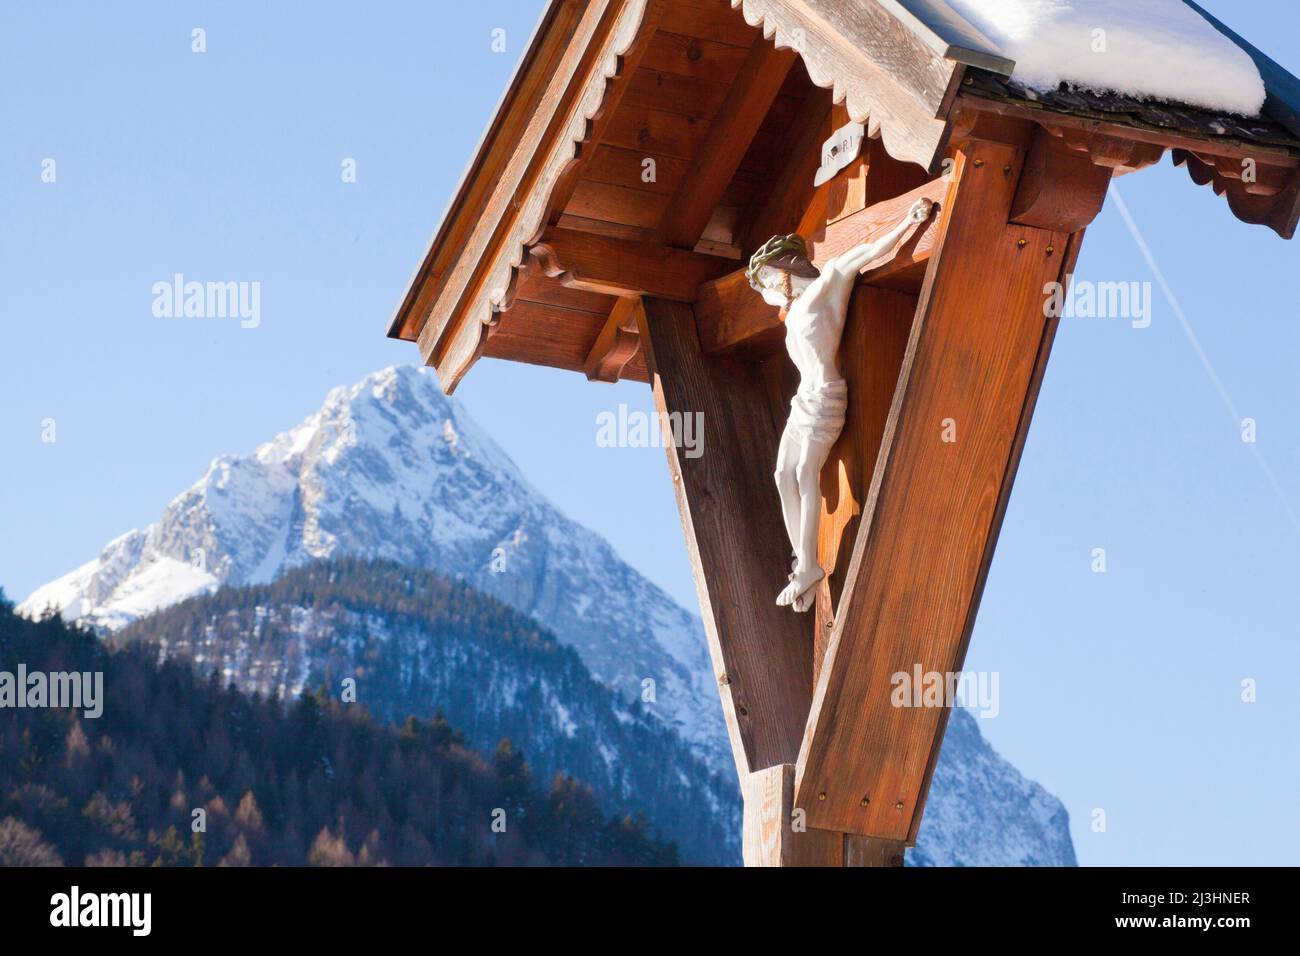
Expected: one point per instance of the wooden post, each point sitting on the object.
(773, 834)
(776, 831)
(730, 510)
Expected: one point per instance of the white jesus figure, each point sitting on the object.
(815, 304)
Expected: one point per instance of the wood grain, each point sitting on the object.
(730, 134)
(735, 537)
(617, 204)
(1069, 257)
(710, 20)
(1060, 189)
(886, 75)
(617, 342)
(869, 851)
(871, 356)
(791, 186)
(691, 56)
(620, 267)
(539, 334)
(769, 837)
(929, 522)
(696, 98)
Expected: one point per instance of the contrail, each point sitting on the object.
(1200, 352)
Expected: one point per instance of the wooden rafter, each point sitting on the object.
(729, 136)
(625, 267)
(481, 278)
(788, 195)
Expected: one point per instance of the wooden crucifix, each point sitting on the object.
(646, 150)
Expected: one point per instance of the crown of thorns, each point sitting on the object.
(787, 253)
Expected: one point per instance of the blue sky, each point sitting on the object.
(1119, 691)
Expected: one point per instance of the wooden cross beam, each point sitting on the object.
(731, 316)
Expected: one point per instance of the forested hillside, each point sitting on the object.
(414, 641)
(308, 781)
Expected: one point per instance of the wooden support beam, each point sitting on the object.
(772, 835)
(970, 374)
(624, 267)
(732, 316)
(617, 342)
(762, 654)
(775, 831)
(729, 136)
(868, 851)
(1060, 188)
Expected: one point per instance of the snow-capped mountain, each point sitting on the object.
(391, 468)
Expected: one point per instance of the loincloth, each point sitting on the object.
(817, 414)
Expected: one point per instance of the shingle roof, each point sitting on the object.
(1129, 111)
(1279, 124)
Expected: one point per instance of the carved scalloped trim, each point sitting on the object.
(455, 356)
(1274, 202)
(830, 65)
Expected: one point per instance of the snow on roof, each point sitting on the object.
(1153, 49)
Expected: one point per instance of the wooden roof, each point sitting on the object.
(729, 115)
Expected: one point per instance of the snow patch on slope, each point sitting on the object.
(1153, 49)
